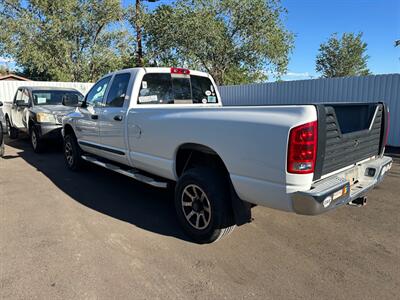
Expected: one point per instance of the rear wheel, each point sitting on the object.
(72, 153)
(202, 203)
(11, 131)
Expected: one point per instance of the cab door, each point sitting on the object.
(19, 109)
(112, 122)
(88, 124)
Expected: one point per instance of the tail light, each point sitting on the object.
(180, 71)
(302, 150)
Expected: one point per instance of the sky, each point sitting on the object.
(313, 21)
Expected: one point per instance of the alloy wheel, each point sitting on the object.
(196, 207)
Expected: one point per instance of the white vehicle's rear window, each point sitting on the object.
(163, 88)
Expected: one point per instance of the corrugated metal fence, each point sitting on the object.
(347, 89)
(8, 88)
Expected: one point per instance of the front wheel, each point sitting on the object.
(203, 206)
(36, 142)
(72, 153)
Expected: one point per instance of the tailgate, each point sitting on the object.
(348, 133)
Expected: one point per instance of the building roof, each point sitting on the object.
(13, 77)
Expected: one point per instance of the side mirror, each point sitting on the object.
(21, 103)
(1, 104)
(70, 100)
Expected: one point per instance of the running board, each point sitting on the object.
(132, 173)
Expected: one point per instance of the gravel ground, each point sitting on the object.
(99, 235)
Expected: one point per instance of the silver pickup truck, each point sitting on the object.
(38, 111)
(168, 127)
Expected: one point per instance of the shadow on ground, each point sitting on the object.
(112, 194)
(109, 193)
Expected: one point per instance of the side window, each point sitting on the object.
(116, 95)
(25, 96)
(156, 89)
(96, 93)
(22, 97)
(19, 95)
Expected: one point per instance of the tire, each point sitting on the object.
(11, 131)
(207, 217)
(72, 153)
(36, 142)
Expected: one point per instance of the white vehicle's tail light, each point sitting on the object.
(302, 149)
(180, 71)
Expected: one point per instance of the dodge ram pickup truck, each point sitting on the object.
(168, 127)
(38, 111)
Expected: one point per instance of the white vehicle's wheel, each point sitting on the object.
(202, 202)
(72, 153)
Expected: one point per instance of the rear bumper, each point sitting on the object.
(335, 191)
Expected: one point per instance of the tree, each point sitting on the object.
(236, 41)
(3, 70)
(64, 40)
(343, 56)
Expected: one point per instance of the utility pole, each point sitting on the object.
(139, 54)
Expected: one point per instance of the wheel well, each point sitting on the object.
(192, 155)
(68, 129)
(30, 125)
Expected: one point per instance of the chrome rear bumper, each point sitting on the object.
(335, 191)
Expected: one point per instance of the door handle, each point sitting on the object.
(118, 118)
(94, 117)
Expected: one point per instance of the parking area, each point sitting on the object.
(99, 235)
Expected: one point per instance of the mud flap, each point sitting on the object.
(241, 209)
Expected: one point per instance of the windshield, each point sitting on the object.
(53, 97)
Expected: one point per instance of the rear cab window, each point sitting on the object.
(166, 88)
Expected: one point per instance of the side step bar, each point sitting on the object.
(132, 173)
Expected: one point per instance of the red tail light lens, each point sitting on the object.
(180, 71)
(303, 148)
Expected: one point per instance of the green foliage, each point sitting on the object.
(236, 41)
(3, 70)
(343, 56)
(64, 40)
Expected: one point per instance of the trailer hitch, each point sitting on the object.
(359, 202)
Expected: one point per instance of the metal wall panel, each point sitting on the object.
(8, 88)
(372, 88)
